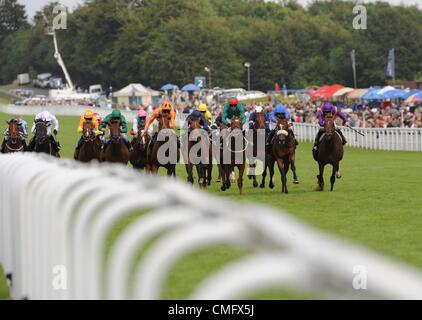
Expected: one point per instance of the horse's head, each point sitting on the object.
(41, 132)
(88, 131)
(282, 127)
(329, 127)
(259, 120)
(236, 123)
(114, 126)
(164, 120)
(14, 131)
(195, 123)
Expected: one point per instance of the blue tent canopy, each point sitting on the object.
(373, 94)
(396, 94)
(168, 87)
(191, 88)
(411, 93)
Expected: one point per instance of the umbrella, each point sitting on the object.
(373, 94)
(168, 87)
(190, 88)
(417, 97)
(326, 92)
(395, 94)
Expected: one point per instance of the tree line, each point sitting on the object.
(115, 42)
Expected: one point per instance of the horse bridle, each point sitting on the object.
(234, 133)
(42, 139)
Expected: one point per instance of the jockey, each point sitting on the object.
(139, 122)
(98, 117)
(259, 109)
(88, 116)
(165, 108)
(204, 110)
(195, 115)
(233, 108)
(50, 120)
(280, 112)
(114, 116)
(328, 108)
(23, 129)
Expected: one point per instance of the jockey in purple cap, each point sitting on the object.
(328, 108)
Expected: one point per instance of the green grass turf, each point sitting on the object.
(376, 204)
(4, 100)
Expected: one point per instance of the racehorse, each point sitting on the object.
(153, 151)
(90, 148)
(116, 151)
(259, 124)
(283, 147)
(42, 140)
(270, 162)
(236, 130)
(330, 151)
(204, 170)
(14, 143)
(138, 157)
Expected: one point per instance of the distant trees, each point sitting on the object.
(155, 42)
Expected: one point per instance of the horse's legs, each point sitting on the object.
(321, 177)
(209, 171)
(253, 176)
(189, 170)
(338, 174)
(264, 175)
(228, 172)
(240, 179)
(333, 175)
(271, 167)
(293, 166)
(223, 177)
(282, 170)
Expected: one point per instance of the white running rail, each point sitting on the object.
(56, 217)
(389, 139)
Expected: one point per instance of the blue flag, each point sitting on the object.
(391, 67)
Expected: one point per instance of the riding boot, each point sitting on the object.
(294, 137)
(31, 145)
(315, 148)
(270, 138)
(342, 136)
(128, 145)
(3, 146)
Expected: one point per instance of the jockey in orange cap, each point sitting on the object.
(165, 108)
(88, 116)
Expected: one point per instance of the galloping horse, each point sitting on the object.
(153, 157)
(42, 140)
(139, 155)
(259, 124)
(283, 149)
(91, 148)
(330, 151)
(204, 170)
(14, 143)
(116, 151)
(236, 130)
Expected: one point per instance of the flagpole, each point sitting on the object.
(353, 56)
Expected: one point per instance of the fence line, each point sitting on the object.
(389, 139)
(56, 217)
